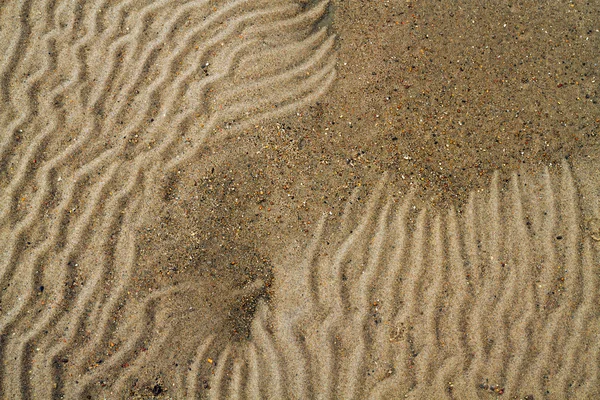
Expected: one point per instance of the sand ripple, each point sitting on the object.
(399, 301)
(101, 102)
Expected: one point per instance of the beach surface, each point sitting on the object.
(299, 199)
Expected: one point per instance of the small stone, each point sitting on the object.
(157, 389)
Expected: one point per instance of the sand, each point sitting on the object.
(299, 199)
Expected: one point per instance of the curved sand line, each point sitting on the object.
(110, 105)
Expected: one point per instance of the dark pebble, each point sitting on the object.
(156, 390)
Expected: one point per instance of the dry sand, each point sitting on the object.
(299, 199)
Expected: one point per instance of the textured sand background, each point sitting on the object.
(299, 199)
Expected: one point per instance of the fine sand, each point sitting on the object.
(299, 199)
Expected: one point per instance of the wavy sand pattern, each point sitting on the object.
(400, 301)
(100, 102)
